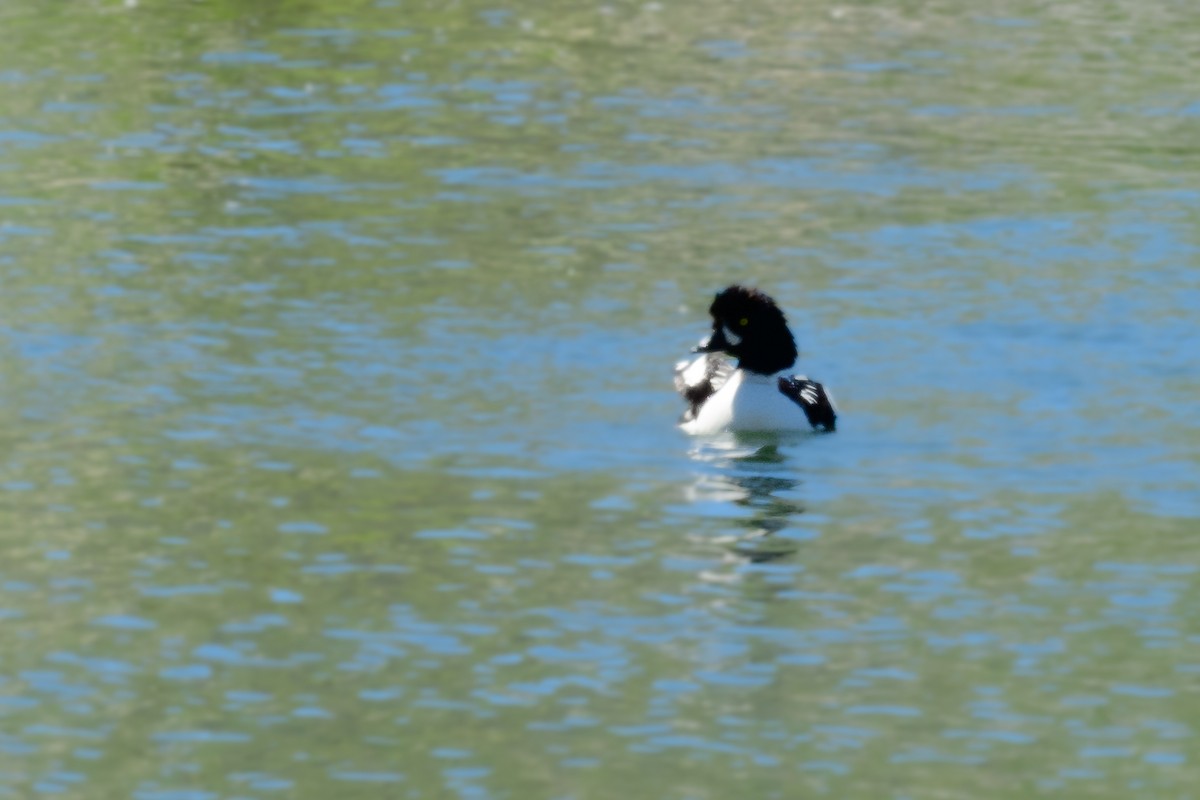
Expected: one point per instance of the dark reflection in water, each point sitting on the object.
(758, 473)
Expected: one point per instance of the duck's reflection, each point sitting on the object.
(756, 473)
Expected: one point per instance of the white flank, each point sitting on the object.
(748, 402)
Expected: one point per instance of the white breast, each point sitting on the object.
(748, 402)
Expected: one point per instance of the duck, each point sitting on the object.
(739, 380)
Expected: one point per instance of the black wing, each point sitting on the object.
(811, 397)
(700, 379)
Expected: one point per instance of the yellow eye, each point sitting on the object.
(743, 322)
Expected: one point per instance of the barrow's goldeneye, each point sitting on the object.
(751, 394)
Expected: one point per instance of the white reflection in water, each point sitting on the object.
(753, 480)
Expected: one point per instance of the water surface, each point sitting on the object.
(339, 450)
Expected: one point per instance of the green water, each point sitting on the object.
(338, 438)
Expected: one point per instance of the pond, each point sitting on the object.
(340, 454)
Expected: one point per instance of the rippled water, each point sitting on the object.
(339, 457)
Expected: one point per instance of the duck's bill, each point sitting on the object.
(715, 342)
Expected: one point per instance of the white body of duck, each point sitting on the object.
(746, 401)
